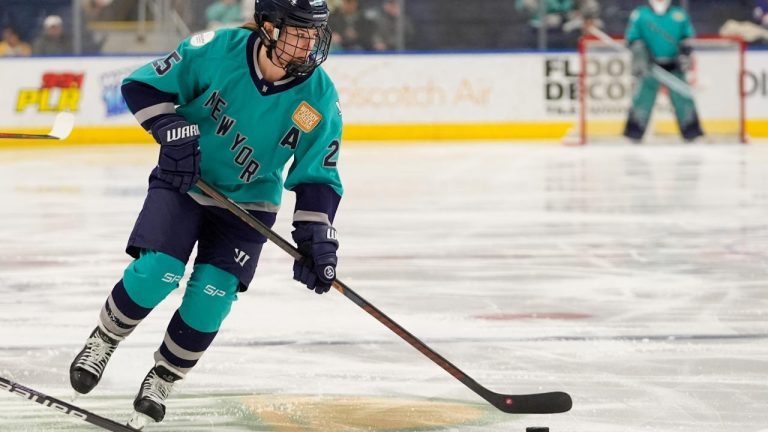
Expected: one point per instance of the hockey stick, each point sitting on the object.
(537, 403)
(61, 406)
(62, 127)
(664, 76)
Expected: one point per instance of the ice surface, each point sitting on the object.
(633, 278)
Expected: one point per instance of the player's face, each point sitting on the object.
(295, 45)
(660, 6)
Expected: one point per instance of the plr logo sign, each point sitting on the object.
(59, 91)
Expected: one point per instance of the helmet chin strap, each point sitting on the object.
(270, 42)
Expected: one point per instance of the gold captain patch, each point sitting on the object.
(306, 117)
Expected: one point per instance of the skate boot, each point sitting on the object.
(88, 366)
(150, 402)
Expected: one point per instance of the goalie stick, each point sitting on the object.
(535, 403)
(62, 127)
(61, 406)
(665, 77)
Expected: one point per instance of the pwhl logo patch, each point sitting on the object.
(59, 91)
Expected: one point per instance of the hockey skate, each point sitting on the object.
(149, 404)
(88, 366)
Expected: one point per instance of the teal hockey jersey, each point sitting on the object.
(661, 33)
(249, 128)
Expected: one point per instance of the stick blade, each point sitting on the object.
(538, 403)
(63, 125)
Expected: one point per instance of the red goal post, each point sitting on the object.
(606, 88)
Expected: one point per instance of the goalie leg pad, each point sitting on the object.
(208, 298)
(642, 106)
(149, 279)
(687, 117)
(641, 61)
(691, 129)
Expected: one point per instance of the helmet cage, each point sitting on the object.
(287, 44)
(302, 56)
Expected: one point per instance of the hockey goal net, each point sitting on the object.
(716, 82)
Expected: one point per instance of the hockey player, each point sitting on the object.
(233, 106)
(657, 34)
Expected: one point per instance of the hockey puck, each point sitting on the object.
(536, 429)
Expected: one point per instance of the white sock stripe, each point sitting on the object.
(180, 352)
(119, 314)
(171, 368)
(109, 333)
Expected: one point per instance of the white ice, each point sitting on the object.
(634, 278)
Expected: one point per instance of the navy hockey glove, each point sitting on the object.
(684, 62)
(179, 162)
(317, 242)
(641, 61)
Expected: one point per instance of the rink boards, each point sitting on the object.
(489, 96)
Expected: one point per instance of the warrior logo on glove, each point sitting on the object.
(182, 132)
(330, 272)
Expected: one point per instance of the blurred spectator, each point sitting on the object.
(122, 10)
(224, 13)
(248, 8)
(333, 4)
(751, 31)
(710, 15)
(585, 16)
(761, 12)
(615, 15)
(555, 12)
(12, 46)
(560, 20)
(93, 10)
(351, 30)
(192, 12)
(52, 41)
(387, 27)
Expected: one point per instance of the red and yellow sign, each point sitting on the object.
(58, 92)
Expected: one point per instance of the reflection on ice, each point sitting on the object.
(631, 277)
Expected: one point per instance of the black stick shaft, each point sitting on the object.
(535, 403)
(27, 136)
(61, 406)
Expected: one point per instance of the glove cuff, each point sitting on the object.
(315, 233)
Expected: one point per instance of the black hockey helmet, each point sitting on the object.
(304, 14)
(297, 13)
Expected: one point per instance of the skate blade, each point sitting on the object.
(139, 420)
